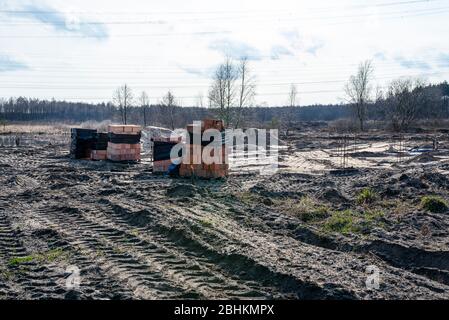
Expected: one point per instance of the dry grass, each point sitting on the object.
(57, 128)
(307, 208)
(34, 129)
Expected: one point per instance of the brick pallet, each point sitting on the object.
(124, 143)
(99, 155)
(193, 164)
(162, 147)
(99, 149)
(82, 143)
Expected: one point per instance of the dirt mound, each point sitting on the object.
(440, 180)
(332, 195)
(406, 180)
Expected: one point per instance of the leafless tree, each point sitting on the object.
(246, 90)
(169, 103)
(144, 104)
(222, 94)
(200, 100)
(358, 91)
(292, 95)
(123, 99)
(290, 114)
(405, 97)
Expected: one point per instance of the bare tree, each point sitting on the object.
(290, 114)
(246, 90)
(169, 103)
(200, 100)
(123, 98)
(292, 95)
(222, 94)
(144, 104)
(405, 97)
(358, 91)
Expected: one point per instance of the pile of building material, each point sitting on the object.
(82, 143)
(193, 163)
(99, 148)
(162, 148)
(124, 143)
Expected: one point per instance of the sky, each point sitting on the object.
(82, 50)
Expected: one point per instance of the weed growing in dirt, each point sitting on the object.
(342, 222)
(348, 221)
(52, 255)
(370, 219)
(20, 260)
(434, 204)
(366, 196)
(46, 257)
(373, 215)
(307, 209)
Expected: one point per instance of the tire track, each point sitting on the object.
(109, 249)
(30, 280)
(233, 264)
(170, 264)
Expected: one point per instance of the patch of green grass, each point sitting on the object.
(374, 214)
(20, 260)
(307, 209)
(45, 257)
(434, 204)
(341, 222)
(366, 196)
(348, 221)
(51, 255)
(370, 219)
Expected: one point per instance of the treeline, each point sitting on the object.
(34, 110)
(433, 103)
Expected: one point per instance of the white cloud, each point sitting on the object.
(85, 48)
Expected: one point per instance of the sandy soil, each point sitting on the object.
(135, 235)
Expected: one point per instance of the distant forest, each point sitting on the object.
(21, 109)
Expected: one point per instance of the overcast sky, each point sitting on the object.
(82, 50)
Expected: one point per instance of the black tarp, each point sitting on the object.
(82, 143)
(162, 150)
(124, 138)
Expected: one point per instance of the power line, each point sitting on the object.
(354, 6)
(195, 97)
(149, 86)
(199, 33)
(248, 17)
(196, 20)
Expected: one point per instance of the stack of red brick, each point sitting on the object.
(99, 155)
(99, 148)
(120, 149)
(161, 163)
(193, 164)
